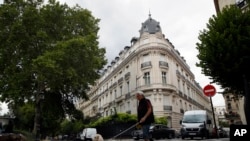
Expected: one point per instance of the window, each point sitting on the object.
(164, 77)
(145, 58)
(188, 91)
(115, 94)
(181, 104)
(106, 99)
(163, 57)
(147, 78)
(128, 106)
(179, 85)
(120, 90)
(183, 87)
(111, 96)
(128, 86)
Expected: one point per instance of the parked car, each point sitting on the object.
(88, 134)
(137, 134)
(223, 133)
(157, 131)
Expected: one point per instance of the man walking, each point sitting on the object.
(145, 114)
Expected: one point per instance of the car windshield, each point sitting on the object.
(193, 118)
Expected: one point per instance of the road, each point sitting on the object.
(176, 139)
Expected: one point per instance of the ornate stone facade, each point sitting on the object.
(153, 65)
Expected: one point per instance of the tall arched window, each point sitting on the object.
(147, 78)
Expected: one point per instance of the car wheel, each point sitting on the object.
(170, 136)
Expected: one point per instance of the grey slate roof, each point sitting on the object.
(151, 26)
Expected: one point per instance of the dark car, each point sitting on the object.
(223, 133)
(157, 131)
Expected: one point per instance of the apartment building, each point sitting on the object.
(234, 113)
(153, 65)
(235, 109)
(220, 4)
(220, 112)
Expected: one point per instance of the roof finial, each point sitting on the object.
(149, 14)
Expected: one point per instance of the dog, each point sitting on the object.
(98, 137)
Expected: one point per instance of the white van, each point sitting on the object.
(196, 123)
(88, 134)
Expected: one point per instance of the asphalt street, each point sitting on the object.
(176, 139)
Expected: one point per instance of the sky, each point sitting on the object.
(181, 21)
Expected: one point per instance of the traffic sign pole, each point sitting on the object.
(209, 90)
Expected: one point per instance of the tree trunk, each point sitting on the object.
(36, 129)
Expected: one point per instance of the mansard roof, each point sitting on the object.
(151, 26)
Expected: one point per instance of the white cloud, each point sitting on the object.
(4, 108)
(180, 20)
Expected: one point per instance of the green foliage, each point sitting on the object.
(161, 120)
(124, 117)
(223, 124)
(71, 127)
(224, 52)
(50, 50)
(224, 48)
(118, 118)
(24, 116)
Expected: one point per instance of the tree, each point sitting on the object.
(1, 107)
(161, 120)
(24, 116)
(224, 51)
(47, 51)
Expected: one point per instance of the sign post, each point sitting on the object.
(209, 90)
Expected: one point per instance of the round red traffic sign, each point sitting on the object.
(209, 90)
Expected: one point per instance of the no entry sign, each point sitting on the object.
(209, 90)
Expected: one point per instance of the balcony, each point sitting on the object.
(127, 75)
(163, 64)
(146, 65)
(232, 115)
(127, 96)
(180, 93)
(120, 80)
(167, 108)
(185, 97)
(113, 85)
(178, 73)
(120, 98)
(241, 3)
